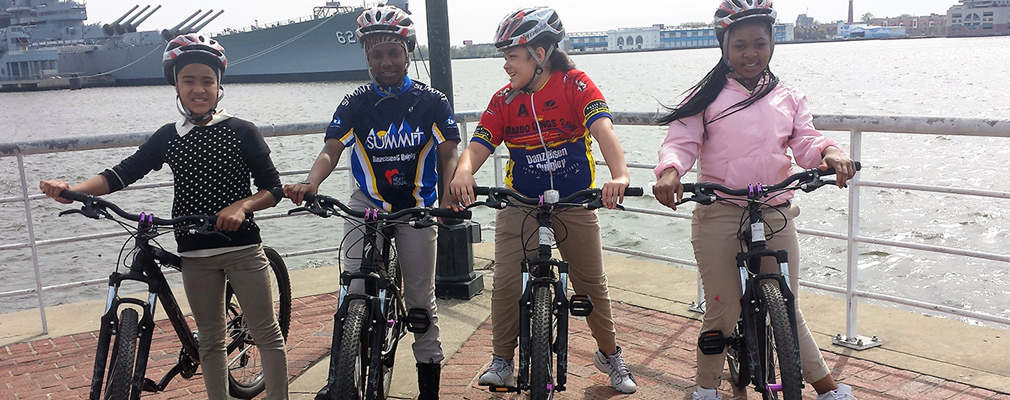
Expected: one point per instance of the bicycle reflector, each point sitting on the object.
(711, 342)
(580, 305)
(418, 320)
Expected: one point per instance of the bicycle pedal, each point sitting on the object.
(417, 320)
(580, 305)
(150, 386)
(502, 389)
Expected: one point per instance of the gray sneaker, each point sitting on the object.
(498, 374)
(844, 392)
(613, 365)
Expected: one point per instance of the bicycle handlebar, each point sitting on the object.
(591, 198)
(94, 203)
(319, 204)
(809, 180)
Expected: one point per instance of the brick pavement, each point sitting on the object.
(659, 350)
(658, 347)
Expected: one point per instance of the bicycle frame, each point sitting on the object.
(752, 311)
(145, 268)
(539, 272)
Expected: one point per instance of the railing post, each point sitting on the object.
(851, 339)
(31, 241)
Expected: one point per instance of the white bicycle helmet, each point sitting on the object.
(528, 24)
(388, 20)
(732, 11)
(185, 49)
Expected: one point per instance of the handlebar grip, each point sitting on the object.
(481, 190)
(634, 191)
(688, 187)
(75, 196)
(309, 197)
(449, 213)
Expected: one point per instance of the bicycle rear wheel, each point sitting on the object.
(350, 379)
(245, 367)
(781, 347)
(124, 357)
(542, 355)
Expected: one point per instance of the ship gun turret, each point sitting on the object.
(169, 34)
(132, 27)
(110, 29)
(121, 28)
(199, 27)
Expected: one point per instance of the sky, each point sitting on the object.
(477, 19)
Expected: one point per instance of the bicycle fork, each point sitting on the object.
(110, 325)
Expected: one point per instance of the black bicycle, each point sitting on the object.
(763, 349)
(544, 306)
(368, 326)
(127, 365)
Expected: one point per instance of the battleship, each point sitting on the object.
(44, 41)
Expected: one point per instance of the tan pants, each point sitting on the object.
(577, 232)
(714, 237)
(204, 280)
(415, 249)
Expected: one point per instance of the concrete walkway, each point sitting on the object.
(922, 357)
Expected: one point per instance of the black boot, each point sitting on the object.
(323, 394)
(427, 380)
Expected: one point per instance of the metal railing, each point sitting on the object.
(855, 125)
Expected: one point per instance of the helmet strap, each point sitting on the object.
(541, 65)
(193, 117)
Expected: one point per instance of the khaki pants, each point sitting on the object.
(577, 232)
(415, 249)
(248, 271)
(714, 237)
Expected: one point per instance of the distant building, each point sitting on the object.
(925, 25)
(655, 37)
(979, 18)
(847, 31)
(803, 21)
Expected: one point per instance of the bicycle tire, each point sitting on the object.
(783, 345)
(245, 369)
(385, 366)
(350, 379)
(542, 355)
(124, 356)
(737, 358)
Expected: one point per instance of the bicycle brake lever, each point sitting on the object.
(74, 211)
(297, 210)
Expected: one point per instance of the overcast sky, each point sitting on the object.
(477, 19)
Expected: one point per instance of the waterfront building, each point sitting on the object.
(979, 18)
(849, 31)
(916, 25)
(656, 37)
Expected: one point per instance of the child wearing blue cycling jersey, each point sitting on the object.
(741, 122)
(213, 156)
(403, 140)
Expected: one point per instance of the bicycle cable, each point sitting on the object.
(549, 166)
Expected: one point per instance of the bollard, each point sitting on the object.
(454, 275)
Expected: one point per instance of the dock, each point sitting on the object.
(922, 357)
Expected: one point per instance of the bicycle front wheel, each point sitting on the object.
(124, 357)
(542, 357)
(352, 356)
(245, 367)
(781, 346)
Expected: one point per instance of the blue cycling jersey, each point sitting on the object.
(393, 139)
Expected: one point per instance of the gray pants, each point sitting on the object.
(415, 249)
(248, 272)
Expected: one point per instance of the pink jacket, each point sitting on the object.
(750, 146)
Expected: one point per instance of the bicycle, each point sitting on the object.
(368, 326)
(127, 373)
(765, 335)
(544, 306)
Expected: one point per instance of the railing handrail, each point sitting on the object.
(855, 124)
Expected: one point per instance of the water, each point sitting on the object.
(929, 77)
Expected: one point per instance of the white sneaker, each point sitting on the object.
(620, 378)
(705, 394)
(844, 392)
(498, 374)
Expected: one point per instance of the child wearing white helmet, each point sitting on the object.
(741, 122)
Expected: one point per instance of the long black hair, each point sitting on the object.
(702, 94)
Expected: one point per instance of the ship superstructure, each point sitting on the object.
(40, 39)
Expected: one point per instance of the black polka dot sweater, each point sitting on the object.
(213, 166)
